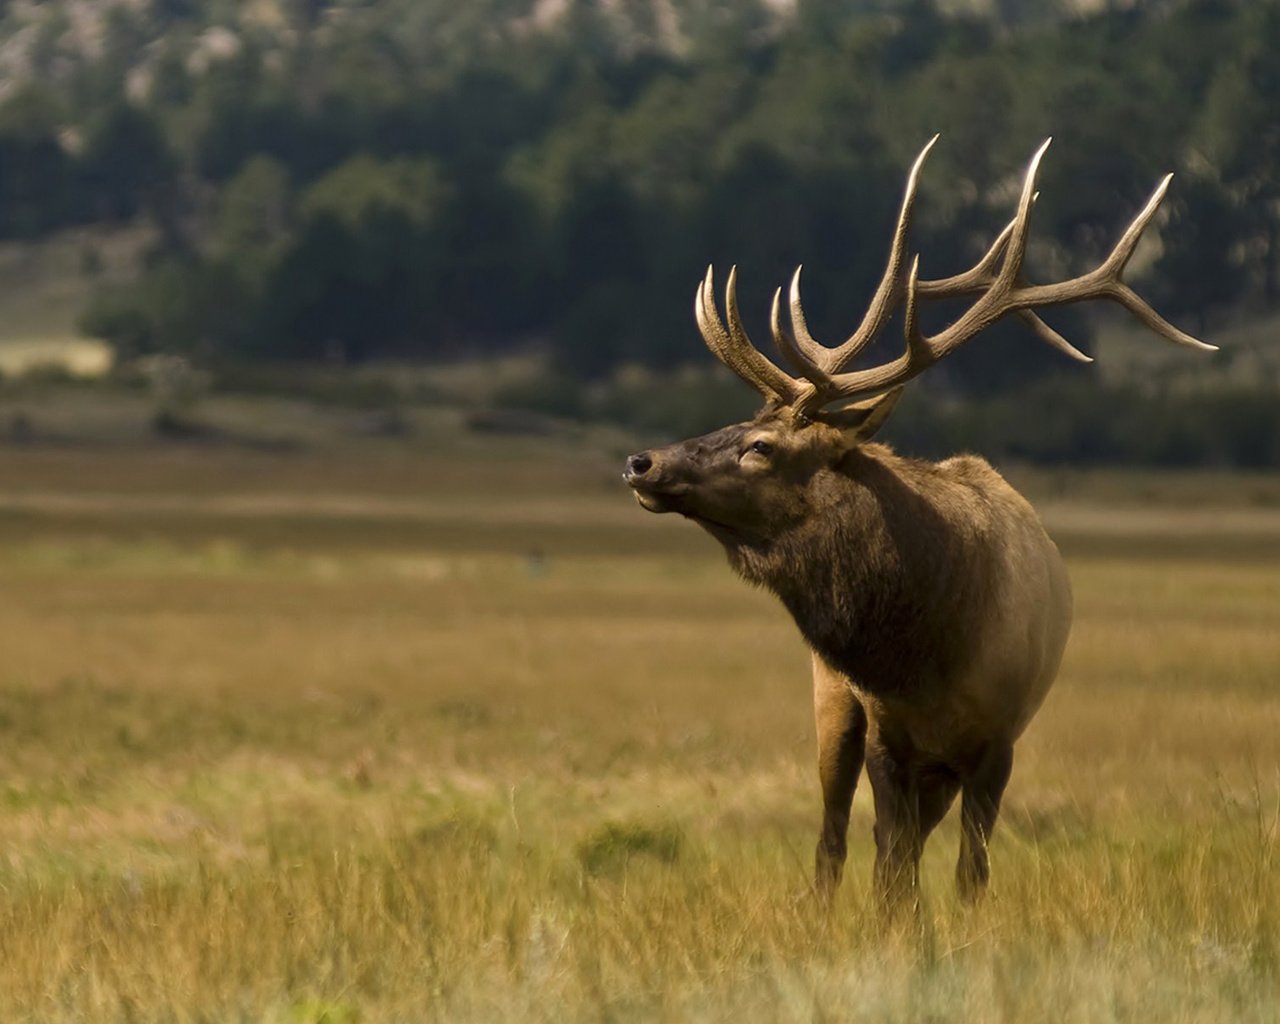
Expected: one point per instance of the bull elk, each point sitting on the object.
(935, 605)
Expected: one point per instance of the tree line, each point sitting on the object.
(364, 180)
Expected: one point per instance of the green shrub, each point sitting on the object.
(608, 849)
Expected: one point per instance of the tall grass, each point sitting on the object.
(328, 767)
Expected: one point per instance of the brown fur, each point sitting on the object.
(936, 606)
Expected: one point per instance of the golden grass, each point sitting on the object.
(432, 753)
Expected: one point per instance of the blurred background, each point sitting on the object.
(501, 207)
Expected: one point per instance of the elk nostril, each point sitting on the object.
(639, 464)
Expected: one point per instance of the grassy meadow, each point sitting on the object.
(448, 729)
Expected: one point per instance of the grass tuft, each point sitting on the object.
(611, 847)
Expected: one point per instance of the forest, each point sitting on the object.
(348, 182)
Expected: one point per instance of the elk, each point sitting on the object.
(935, 605)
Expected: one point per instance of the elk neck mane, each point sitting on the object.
(887, 574)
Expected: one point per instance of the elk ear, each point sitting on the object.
(860, 422)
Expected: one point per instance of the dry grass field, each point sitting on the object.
(415, 734)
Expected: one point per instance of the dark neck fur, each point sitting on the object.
(878, 579)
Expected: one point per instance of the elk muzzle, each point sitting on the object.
(648, 475)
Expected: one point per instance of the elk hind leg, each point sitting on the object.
(842, 733)
(898, 835)
(911, 799)
(936, 787)
(983, 789)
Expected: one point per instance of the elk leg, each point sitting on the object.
(979, 806)
(842, 734)
(898, 835)
(937, 787)
(915, 799)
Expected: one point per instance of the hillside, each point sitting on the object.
(352, 184)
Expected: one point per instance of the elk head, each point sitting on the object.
(748, 482)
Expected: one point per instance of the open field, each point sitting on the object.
(44, 287)
(403, 733)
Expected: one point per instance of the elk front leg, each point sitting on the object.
(842, 734)
(983, 788)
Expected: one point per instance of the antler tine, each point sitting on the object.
(798, 346)
(919, 352)
(976, 278)
(787, 387)
(1128, 298)
(713, 333)
(1016, 249)
(1123, 252)
(1051, 337)
(814, 353)
(733, 347)
(786, 344)
(890, 288)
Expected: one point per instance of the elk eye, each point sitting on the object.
(761, 447)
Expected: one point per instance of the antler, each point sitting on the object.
(997, 282)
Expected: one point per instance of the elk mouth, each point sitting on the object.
(660, 501)
(651, 502)
(652, 499)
